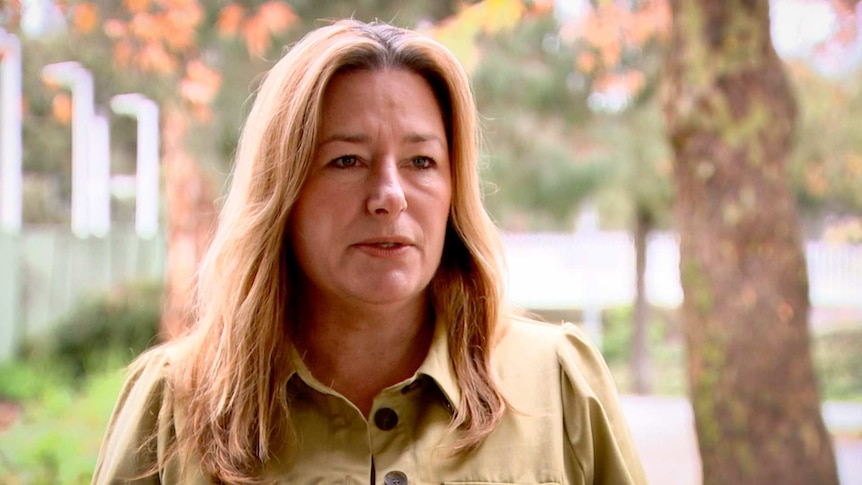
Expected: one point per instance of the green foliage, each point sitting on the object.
(664, 344)
(526, 72)
(826, 166)
(124, 321)
(638, 159)
(57, 437)
(837, 361)
(66, 384)
(22, 381)
(532, 112)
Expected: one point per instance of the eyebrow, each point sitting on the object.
(362, 138)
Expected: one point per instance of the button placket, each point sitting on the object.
(391, 426)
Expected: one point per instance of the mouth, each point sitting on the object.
(385, 243)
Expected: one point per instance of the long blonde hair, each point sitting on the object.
(232, 373)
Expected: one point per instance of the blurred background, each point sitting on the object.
(119, 124)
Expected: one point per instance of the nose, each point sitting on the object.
(386, 192)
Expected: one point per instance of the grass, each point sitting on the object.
(56, 439)
(838, 360)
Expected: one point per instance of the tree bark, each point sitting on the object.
(640, 364)
(731, 116)
(191, 219)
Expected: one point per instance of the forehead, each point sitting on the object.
(400, 93)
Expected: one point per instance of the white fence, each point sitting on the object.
(597, 270)
(44, 272)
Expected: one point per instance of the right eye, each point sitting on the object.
(345, 161)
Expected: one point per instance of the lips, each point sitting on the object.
(389, 245)
(385, 246)
(386, 242)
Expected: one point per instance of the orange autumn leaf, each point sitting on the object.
(586, 62)
(815, 180)
(202, 114)
(178, 4)
(609, 30)
(137, 6)
(85, 17)
(61, 108)
(201, 83)
(653, 21)
(611, 53)
(186, 17)
(12, 11)
(145, 27)
(115, 29)
(155, 59)
(853, 164)
(603, 28)
(541, 7)
(459, 31)
(229, 19)
(633, 80)
(276, 16)
(123, 53)
(256, 36)
(179, 30)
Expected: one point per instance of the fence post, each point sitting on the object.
(10, 295)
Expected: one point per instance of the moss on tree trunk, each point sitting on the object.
(731, 116)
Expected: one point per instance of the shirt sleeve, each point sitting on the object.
(595, 427)
(139, 427)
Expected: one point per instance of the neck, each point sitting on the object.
(360, 350)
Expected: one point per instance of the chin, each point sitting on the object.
(383, 292)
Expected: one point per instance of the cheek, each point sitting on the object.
(441, 216)
(302, 229)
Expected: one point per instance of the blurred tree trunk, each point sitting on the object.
(190, 221)
(731, 116)
(640, 353)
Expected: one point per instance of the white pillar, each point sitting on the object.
(11, 178)
(79, 80)
(99, 192)
(147, 195)
(146, 111)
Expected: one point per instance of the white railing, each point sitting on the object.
(44, 272)
(597, 270)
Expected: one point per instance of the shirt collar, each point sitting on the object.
(437, 366)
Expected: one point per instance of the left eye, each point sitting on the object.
(422, 162)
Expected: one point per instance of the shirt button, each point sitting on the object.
(395, 478)
(386, 419)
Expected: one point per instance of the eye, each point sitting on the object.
(422, 162)
(345, 161)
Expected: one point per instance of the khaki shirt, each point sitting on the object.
(564, 424)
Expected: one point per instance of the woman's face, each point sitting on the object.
(370, 221)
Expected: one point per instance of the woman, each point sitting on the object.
(351, 324)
